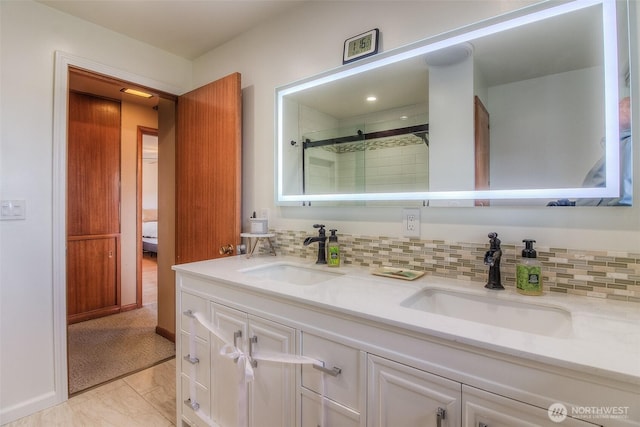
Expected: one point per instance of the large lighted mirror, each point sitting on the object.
(522, 109)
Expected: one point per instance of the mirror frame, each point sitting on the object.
(512, 20)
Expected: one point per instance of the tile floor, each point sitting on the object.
(143, 399)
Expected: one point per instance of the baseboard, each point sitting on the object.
(171, 336)
(88, 315)
(129, 307)
(30, 406)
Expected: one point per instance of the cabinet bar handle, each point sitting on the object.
(441, 414)
(193, 405)
(237, 334)
(192, 360)
(334, 372)
(253, 340)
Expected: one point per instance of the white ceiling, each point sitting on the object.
(187, 28)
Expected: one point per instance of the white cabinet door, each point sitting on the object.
(226, 398)
(271, 394)
(400, 395)
(269, 400)
(484, 409)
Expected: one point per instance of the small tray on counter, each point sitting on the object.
(398, 273)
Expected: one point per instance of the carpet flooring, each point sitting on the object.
(101, 350)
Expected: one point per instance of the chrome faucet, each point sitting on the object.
(321, 238)
(492, 259)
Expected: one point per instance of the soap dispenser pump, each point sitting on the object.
(528, 271)
(333, 250)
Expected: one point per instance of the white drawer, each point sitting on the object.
(194, 304)
(347, 388)
(334, 414)
(203, 398)
(203, 366)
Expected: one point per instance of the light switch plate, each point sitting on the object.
(13, 209)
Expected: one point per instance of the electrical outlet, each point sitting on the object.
(264, 213)
(411, 222)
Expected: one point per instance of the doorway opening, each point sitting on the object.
(148, 204)
(106, 347)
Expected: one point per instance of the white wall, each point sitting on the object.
(276, 54)
(557, 108)
(150, 172)
(30, 34)
(150, 184)
(451, 130)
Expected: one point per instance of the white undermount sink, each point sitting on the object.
(522, 316)
(291, 273)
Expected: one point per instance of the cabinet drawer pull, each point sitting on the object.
(481, 424)
(188, 313)
(193, 405)
(334, 372)
(441, 414)
(192, 360)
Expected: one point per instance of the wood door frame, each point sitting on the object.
(59, 177)
(141, 131)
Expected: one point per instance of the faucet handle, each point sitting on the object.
(321, 227)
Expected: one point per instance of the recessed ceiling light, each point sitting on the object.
(371, 98)
(136, 92)
(404, 117)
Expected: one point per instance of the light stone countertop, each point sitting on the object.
(604, 340)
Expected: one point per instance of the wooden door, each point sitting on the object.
(208, 170)
(93, 207)
(482, 142)
(92, 270)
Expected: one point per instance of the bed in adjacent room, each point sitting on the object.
(150, 231)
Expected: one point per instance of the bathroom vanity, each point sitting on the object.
(428, 352)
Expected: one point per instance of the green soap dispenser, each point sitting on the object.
(528, 271)
(333, 250)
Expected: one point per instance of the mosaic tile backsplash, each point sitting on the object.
(598, 274)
